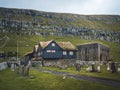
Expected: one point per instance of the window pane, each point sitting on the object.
(53, 51)
(48, 51)
(71, 53)
(64, 53)
(53, 44)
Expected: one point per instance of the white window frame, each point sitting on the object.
(48, 51)
(53, 44)
(71, 53)
(51, 51)
(64, 52)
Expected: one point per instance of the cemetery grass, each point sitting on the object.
(45, 81)
(102, 74)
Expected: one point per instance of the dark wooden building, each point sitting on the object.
(55, 50)
(93, 52)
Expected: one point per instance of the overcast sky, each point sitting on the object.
(67, 6)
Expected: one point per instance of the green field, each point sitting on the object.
(26, 44)
(44, 81)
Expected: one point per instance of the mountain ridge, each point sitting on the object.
(34, 22)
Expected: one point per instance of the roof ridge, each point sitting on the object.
(64, 45)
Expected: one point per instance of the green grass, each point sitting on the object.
(44, 81)
(103, 74)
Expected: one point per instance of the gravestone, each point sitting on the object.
(42, 62)
(108, 67)
(78, 67)
(113, 67)
(118, 69)
(98, 68)
(91, 68)
(3, 65)
(16, 68)
(27, 68)
(12, 67)
(22, 68)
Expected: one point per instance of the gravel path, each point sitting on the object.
(115, 83)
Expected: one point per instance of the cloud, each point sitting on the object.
(67, 6)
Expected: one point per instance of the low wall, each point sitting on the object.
(58, 62)
(90, 62)
(36, 63)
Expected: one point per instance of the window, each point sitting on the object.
(71, 52)
(64, 53)
(53, 44)
(39, 54)
(48, 51)
(51, 51)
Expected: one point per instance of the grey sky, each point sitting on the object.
(67, 6)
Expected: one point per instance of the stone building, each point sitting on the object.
(93, 52)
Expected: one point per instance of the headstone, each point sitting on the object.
(118, 69)
(108, 67)
(113, 67)
(42, 63)
(12, 67)
(27, 71)
(78, 67)
(22, 70)
(91, 68)
(16, 68)
(3, 65)
(98, 68)
(27, 68)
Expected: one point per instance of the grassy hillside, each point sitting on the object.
(26, 44)
(96, 22)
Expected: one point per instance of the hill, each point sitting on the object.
(32, 22)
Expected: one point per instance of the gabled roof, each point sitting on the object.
(63, 45)
(44, 44)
